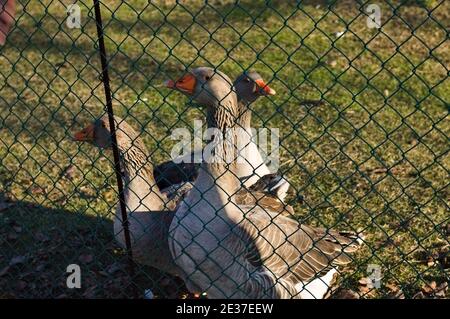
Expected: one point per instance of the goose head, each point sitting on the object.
(98, 133)
(250, 86)
(204, 85)
(213, 89)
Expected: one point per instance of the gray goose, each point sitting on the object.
(231, 251)
(254, 172)
(150, 210)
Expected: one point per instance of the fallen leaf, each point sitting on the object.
(431, 261)
(90, 292)
(61, 64)
(441, 290)
(17, 260)
(40, 267)
(379, 170)
(395, 291)
(166, 282)
(41, 237)
(12, 236)
(113, 268)
(184, 296)
(365, 281)
(5, 206)
(429, 288)
(86, 192)
(37, 190)
(345, 294)
(69, 172)
(4, 271)
(17, 229)
(86, 258)
(444, 257)
(364, 290)
(21, 285)
(419, 295)
(392, 287)
(397, 295)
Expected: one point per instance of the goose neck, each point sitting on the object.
(141, 191)
(244, 115)
(223, 118)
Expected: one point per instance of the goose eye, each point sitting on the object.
(247, 80)
(103, 124)
(207, 78)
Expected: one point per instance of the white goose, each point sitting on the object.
(253, 172)
(232, 251)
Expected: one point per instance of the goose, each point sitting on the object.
(150, 210)
(254, 172)
(233, 251)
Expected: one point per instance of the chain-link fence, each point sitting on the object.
(360, 112)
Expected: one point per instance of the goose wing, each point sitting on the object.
(294, 251)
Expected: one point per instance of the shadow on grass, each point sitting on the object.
(37, 244)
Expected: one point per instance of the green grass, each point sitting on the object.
(373, 157)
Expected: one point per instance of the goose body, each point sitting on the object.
(234, 251)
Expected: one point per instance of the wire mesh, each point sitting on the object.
(361, 109)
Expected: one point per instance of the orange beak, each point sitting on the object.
(265, 87)
(186, 84)
(85, 135)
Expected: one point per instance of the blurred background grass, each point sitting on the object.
(372, 157)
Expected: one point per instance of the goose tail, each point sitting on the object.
(317, 288)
